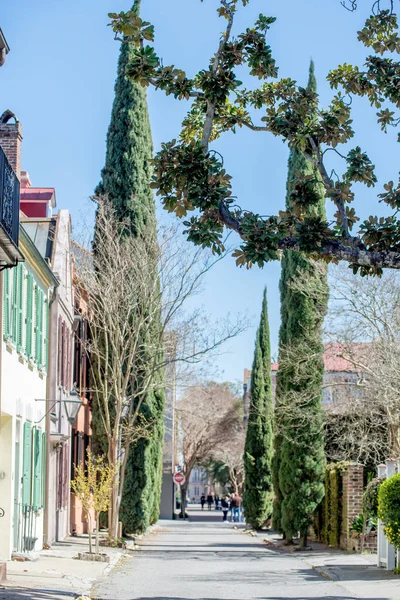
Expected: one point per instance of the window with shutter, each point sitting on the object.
(59, 478)
(73, 453)
(37, 469)
(14, 302)
(27, 465)
(20, 308)
(29, 316)
(39, 328)
(44, 463)
(65, 356)
(79, 458)
(6, 305)
(69, 351)
(46, 333)
(35, 320)
(59, 351)
(65, 481)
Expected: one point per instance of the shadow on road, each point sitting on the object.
(260, 598)
(37, 594)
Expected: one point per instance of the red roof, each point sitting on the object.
(334, 360)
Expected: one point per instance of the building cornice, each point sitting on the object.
(35, 260)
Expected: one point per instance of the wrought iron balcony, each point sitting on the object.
(9, 214)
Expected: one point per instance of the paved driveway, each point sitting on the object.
(211, 561)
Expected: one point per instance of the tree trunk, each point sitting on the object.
(90, 532)
(183, 500)
(97, 517)
(113, 511)
(362, 541)
(304, 539)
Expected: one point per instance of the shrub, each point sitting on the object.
(370, 497)
(357, 525)
(389, 508)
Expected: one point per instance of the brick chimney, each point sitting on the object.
(10, 140)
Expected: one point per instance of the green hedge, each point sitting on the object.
(389, 508)
(328, 518)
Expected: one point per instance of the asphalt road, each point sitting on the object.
(208, 560)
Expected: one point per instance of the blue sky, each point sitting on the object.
(59, 77)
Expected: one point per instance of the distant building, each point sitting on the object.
(199, 484)
(338, 371)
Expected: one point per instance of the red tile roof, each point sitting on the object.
(334, 360)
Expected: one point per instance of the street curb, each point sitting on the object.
(324, 573)
(115, 560)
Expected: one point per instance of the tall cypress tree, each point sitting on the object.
(125, 181)
(299, 461)
(126, 176)
(258, 494)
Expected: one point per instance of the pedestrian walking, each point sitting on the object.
(217, 500)
(225, 508)
(209, 501)
(232, 506)
(237, 508)
(202, 501)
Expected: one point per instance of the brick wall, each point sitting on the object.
(10, 140)
(353, 479)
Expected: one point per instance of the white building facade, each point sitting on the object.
(26, 297)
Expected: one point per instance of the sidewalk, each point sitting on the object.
(357, 573)
(56, 574)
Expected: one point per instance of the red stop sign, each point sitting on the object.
(179, 478)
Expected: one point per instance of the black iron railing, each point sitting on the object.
(9, 199)
(25, 517)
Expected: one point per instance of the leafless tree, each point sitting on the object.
(137, 290)
(365, 319)
(231, 457)
(208, 418)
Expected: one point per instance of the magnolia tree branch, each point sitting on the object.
(292, 113)
(208, 122)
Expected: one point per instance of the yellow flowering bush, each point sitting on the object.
(389, 508)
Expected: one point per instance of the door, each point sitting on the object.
(17, 486)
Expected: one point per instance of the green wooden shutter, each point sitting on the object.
(44, 462)
(29, 316)
(27, 464)
(6, 304)
(14, 301)
(46, 317)
(40, 340)
(38, 465)
(38, 325)
(20, 301)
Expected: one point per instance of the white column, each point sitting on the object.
(386, 551)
